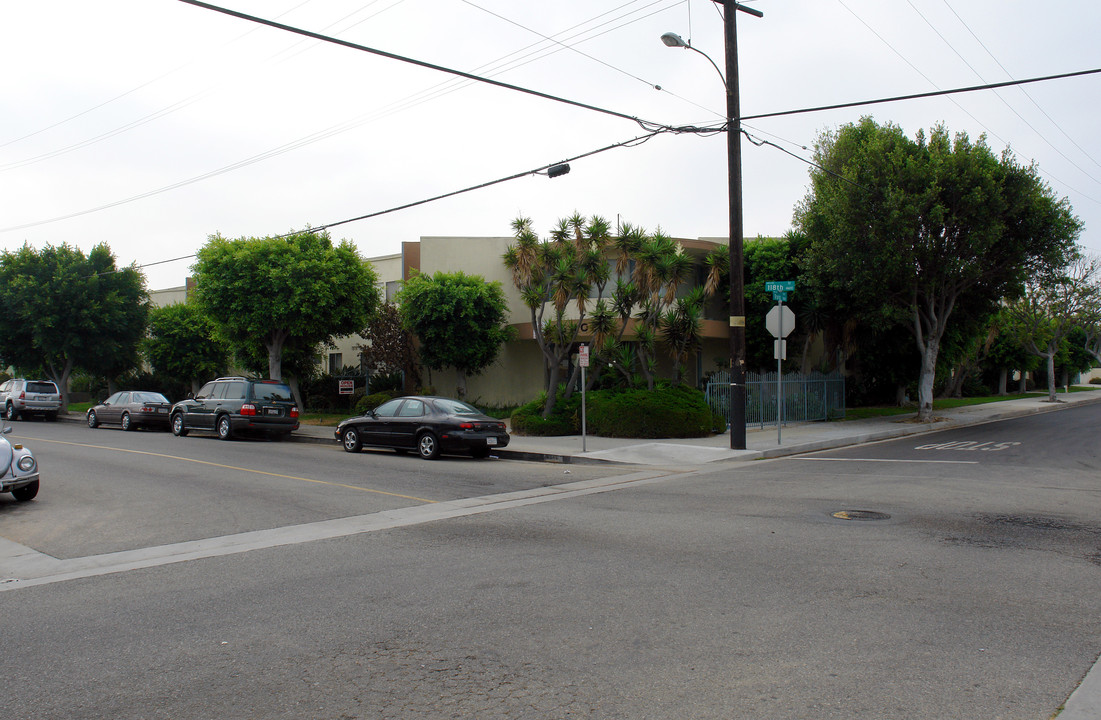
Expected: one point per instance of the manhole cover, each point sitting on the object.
(860, 515)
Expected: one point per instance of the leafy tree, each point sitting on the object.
(913, 228)
(553, 275)
(183, 343)
(1050, 308)
(61, 310)
(389, 347)
(460, 320)
(266, 291)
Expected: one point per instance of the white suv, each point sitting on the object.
(30, 397)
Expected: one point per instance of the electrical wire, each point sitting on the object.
(419, 63)
(633, 142)
(918, 96)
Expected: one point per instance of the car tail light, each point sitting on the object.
(147, 409)
(294, 411)
(467, 426)
(23, 395)
(248, 409)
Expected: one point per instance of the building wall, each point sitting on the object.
(389, 271)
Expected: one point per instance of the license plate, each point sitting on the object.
(162, 410)
(491, 441)
(272, 411)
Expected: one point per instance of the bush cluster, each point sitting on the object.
(664, 412)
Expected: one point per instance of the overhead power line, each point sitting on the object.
(420, 63)
(918, 96)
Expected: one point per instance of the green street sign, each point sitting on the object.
(774, 286)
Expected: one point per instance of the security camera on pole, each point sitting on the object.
(780, 321)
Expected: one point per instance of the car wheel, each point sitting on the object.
(11, 413)
(179, 429)
(350, 440)
(126, 425)
(225, 432)
(481, 451)
(25, 493)
(93, 421)
(428, 446)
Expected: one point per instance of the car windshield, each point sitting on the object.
(456, 407)
(149, 397)
(271, 391)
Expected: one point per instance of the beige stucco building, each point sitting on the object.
(517, 374)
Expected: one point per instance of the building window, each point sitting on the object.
(336, 363)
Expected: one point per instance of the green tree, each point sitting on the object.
(389, 347)
(553, 276)
(1050, 309)
(921, 226)
(460, 320)
(61, 310)
(266, 291)
(183, 343)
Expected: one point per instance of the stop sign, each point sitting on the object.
(781, 315)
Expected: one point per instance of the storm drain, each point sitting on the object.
(860, 515)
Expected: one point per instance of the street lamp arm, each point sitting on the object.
(673, 40)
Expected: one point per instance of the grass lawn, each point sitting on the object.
(860, 413)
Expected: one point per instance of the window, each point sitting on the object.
(206, 391)
(235, 391)
(389, 408)
(336, 363)
(412, 408)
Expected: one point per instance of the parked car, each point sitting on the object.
(429, 425)
(131, 409)
(232, 405)
(30, 397)
(18, 468)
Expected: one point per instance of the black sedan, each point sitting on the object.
(429, 425)
(131, 409)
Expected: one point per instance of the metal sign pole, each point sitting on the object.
(780, 374)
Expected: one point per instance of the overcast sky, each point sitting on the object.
(151, 124)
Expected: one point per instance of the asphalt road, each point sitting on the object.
(728, 592)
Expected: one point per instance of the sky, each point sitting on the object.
(150, 125)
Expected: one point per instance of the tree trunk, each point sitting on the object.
(1003, 381)
(925, 382)
(275, 361)
(460, 378)
(292, 383)
(1050, 377)
(1022, 384)
(900, 396)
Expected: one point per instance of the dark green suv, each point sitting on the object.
(232, 405)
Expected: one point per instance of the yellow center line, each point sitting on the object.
(233, 467)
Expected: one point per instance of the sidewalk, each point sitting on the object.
(761, 443)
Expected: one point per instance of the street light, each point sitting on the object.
(734, 178)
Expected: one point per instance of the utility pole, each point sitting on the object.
(734, 171)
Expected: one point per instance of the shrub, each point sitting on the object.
(665, 412)
(372, 401)
(634, 413)
(564, 420)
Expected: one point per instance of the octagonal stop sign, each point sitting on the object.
(774, 317)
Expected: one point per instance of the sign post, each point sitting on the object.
(780, 321)
(583, 360)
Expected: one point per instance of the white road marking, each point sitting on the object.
(888, 460)
(22, 567)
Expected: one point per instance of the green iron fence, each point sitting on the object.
(816, 396)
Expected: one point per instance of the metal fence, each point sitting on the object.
(816, 396)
